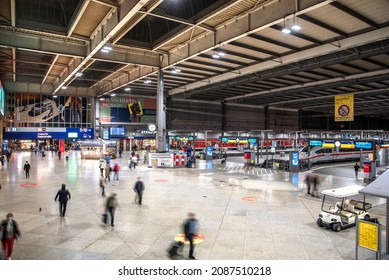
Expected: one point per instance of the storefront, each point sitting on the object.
(92, 149)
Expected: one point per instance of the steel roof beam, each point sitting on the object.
(324, 25)
(20, 87)
(371, 43)
(77, 16)
(325, 84)
(241, 26)
(114, 24)
(354, 14)
(178, 20)
(274, 42)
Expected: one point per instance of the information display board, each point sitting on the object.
(24, 133)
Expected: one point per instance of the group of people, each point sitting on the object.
(10, 231)
(5, 156)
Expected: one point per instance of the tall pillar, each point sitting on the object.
(161, 116)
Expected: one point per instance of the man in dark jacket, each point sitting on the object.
(27, 168)
(63, 196)
(190, 230)
(10, 231)
(139, 188)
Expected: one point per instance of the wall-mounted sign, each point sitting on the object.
(328, 144)
(363, 145)
(347, 144)
(26, 133)
(315, 143)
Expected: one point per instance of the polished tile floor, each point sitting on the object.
(243, 213)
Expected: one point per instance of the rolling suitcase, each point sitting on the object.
(104, 218)
(175, 249)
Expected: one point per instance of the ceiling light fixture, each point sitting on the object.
(286, 30)
(107, 48)
(64, 87)
(147, 81)
(127, 89)
(113, 94)
(176, 70)
(215, 55)
(79, 74)
(218, 53)
(295, 25)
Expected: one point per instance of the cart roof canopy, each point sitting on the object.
(344, 191)
(379, 187)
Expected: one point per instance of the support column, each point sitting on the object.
(387, 227)
(161, 116)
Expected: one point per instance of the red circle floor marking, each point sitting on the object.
(250, 198)
(161, 180)
(28, 185)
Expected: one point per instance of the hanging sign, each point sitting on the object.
(344, 108)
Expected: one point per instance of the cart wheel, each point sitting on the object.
(319, 222)
(336, 227)
(367, 216)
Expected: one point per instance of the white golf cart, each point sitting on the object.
(345, 211)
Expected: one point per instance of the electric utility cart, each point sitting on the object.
(347, 208)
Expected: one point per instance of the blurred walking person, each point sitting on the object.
(27, 168)
(190, 230)
(10, 231)
(63, 196)
(110, 207)
(108, 170)
(116, 169)
(139, 188)
(102, 184)
(356, 169)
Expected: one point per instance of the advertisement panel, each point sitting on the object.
(2, 99)
(161, 160)
(127, 110)
(34, 108)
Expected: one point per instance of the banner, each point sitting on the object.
(344, 108)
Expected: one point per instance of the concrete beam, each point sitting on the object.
(36, 43)
(332, 47)
(47, 89)
(126, 11)
(237, 28)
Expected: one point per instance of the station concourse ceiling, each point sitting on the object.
(341, 48)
